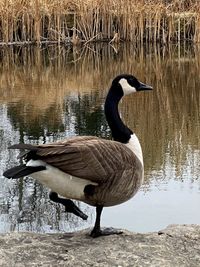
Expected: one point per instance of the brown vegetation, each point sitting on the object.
(37, 21)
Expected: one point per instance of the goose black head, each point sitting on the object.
(129, 84)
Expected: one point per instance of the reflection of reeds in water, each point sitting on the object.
(166, 120)
(170, 112)
(136, 21)
(37, 75)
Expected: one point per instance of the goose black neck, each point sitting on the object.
(120, 132)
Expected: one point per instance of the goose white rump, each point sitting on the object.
(58, 181)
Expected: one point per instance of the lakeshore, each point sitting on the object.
(177, 245)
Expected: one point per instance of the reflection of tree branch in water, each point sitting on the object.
(59, 53)
(83, 51)
(66, 52)
(114, 48)
(77, 59)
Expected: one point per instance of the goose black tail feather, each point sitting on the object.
(22, 170)
(24, 146)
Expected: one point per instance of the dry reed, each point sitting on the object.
(41, 21)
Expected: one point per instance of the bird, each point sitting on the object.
(100, 172)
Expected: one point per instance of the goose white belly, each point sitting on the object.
(60, 182)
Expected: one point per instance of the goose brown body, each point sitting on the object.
(113, 166)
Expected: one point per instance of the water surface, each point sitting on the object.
(53, 92)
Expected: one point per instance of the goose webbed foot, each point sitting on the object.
(97, 231)
(105, 232)
(68, 204)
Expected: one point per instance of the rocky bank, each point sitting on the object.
(177, 245)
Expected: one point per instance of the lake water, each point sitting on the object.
(49, 93)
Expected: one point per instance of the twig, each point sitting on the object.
(91, 39)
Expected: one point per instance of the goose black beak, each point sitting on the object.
(143, 87)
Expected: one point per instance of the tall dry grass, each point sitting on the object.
(25, 21)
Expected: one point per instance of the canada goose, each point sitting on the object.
(96, 171)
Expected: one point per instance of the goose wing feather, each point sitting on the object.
(87, 157)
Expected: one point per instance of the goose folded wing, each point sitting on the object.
(95, 159)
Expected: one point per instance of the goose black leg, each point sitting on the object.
(69, 205)
(97, 231)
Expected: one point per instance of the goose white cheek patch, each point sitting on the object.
(126, 87)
